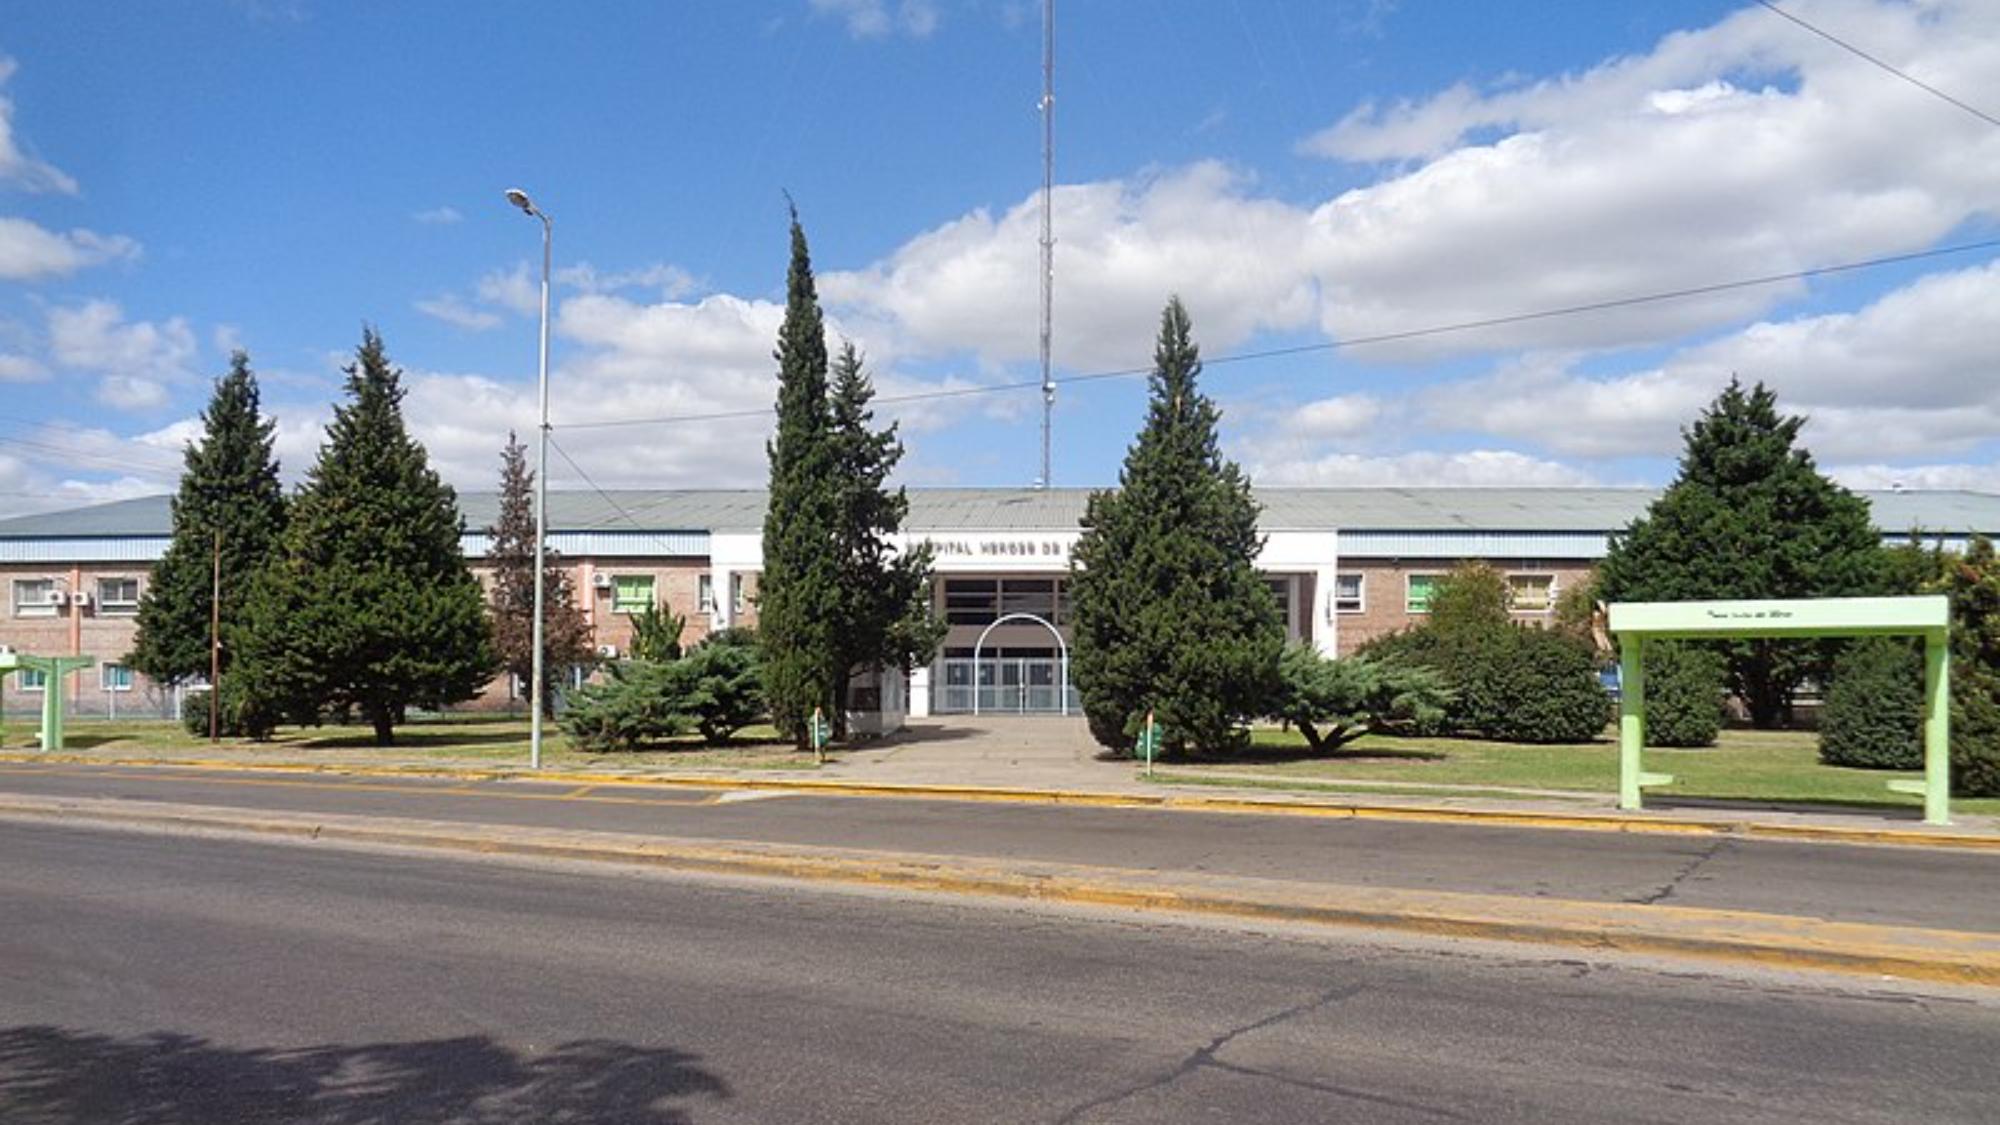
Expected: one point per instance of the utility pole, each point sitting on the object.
(215, 640)
(520, 199)
(1048, 227)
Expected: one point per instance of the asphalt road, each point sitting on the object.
(1936, 889)
(175, 980)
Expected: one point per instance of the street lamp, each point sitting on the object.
(520, 199)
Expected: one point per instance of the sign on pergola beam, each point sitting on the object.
(1635, 623)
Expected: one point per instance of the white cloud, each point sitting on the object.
(17, 167)
(875, 19)
(438, 216)
(1123, 247)
(130, 357)
(1906, 375)
(518, 289)
(28, 251)
(452, 310)
(1743, 149)
(1338, 417)
(1974, 478)
(669, 281)
(129, 392)
(21, 369)
(1480, 468)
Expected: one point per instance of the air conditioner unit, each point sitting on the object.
(601, 581)
(607, 652)
(83, 598)
(57, 597)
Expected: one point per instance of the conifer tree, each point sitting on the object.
(800, 586)
(229, 498)
(566, 639)
(1749, 516)
(883, 606)
(1169, 613)
(372, 610)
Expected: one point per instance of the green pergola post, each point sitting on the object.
(1631, 718)
(54, 670)
(1937, 728)
(1929, 616)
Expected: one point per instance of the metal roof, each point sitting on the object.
(1349, 510)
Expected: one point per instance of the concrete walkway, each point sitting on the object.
(1033, 751)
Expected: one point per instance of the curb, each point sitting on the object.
(1771, 941)
(1259, 806)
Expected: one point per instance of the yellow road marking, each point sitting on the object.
(578, 794)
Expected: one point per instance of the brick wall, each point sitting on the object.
(1385, 586)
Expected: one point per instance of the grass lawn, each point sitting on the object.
(1744, 764)
(469, 740)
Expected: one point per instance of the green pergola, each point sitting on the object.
(1635, 623)
(54, 670)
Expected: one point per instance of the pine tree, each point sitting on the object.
(1749, 516)
(800, 586)
(566, 638)
(1169, 612)
(372, 609)
(229, 496)
(883, 605)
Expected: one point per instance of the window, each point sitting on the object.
(34, 597)
(114, 677)
(117, 597)
(971, 601)
(1531, 593)
(1347, 597)
(1281, 593)
(1417, 593)
(1029, 595)
(631, 593)
(32, 679)
(736, 593)
(704, 593)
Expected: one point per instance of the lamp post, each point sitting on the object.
(520, 199)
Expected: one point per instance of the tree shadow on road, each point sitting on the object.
(50, 1075)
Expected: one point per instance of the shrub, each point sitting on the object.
(736, 636)
(1538, 686)
(1975, 734)
(1517, 682)
(1875, 707)
(1351, 697)
(639, 702)
(719, 687)
(1684, 694)
(656, 635)
(242, 717)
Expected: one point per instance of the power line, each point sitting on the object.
(650, 533)
(1351, 342)
(1844, 45)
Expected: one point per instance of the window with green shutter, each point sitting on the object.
(1417, 598)
(632, 593)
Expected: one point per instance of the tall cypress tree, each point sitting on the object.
(372, 610)
(1169, 613)
(1750, 516)
(510, 555)
(799, 591)
(229, 492)
(883, 605)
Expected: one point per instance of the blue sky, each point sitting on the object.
(180, 179)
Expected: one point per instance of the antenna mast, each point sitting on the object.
(1048, 224)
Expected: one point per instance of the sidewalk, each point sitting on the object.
(1052, 759)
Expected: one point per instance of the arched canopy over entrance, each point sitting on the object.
(1635, 623)
(1062, 649)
